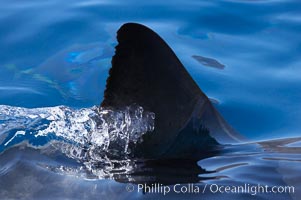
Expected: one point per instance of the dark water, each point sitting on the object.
(245, 55)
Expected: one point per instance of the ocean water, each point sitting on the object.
(56, 144)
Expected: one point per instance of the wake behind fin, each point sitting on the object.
(145, 71)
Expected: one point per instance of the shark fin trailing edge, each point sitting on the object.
(145, 71)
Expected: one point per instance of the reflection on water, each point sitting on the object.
(41, 171)
(210, 62)
(86, 148)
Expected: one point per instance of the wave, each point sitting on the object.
(88, 135)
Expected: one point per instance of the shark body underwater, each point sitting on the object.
(145, 71)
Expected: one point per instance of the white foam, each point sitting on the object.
(87, 134)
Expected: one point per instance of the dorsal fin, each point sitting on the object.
(146, 71)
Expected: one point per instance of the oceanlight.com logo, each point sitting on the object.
(157, 188)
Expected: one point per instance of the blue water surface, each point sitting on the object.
(59, 53)
(48, 50)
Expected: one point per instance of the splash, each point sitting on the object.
(89, 135)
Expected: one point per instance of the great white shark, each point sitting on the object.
(146, 71)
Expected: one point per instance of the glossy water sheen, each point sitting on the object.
(245, 55)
